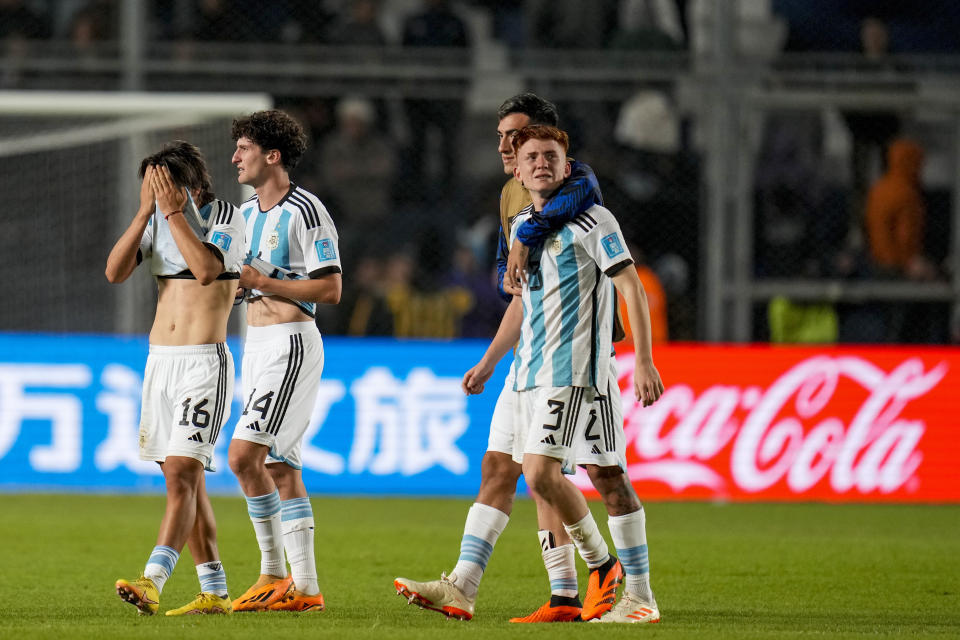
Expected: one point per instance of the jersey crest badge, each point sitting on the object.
(273, 240)
(556, 245)
(325, 250)
(611, 244)
(221, 239)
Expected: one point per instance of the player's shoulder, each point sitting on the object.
(311, 210)
(593, 218)
(224, 213)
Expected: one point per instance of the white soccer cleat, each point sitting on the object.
(437, 595)
(631, 609)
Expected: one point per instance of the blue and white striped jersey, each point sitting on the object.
(297, 235)
(569, 303)
(222, 228)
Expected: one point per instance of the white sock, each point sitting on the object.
(160, 565)
(591, 545)
(560, 565)
(264, 513)
(297, 522)
(629, 533)
(480, 532)
(213, 579)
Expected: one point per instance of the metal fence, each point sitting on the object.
(737, 142)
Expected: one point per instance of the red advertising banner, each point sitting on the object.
(859, 424)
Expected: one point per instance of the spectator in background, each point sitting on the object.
(359, 27)
(19, 24)
(357, 167)
(219, 21)
(570, 24)
(895, 216)
(93, 23)
(486, 307)
(871, 131)
(436, 26)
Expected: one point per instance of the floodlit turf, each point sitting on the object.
(719, 571)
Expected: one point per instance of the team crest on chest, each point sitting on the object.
(556, 245)
(273, 240)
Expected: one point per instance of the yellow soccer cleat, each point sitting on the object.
(602, 589)
(298, 601)
(141, 593)
(556, 609)
(204, 604)
(263, 594)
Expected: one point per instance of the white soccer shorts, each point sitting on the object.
(549, 420)
(501, 424)
(602, 441)
(186, 399)
(280, 375)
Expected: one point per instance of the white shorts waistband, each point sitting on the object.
(186, 350)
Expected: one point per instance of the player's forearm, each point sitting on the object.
(508, 333)
(123, 256)
(324, 290)
(203, 263)
(638, 311)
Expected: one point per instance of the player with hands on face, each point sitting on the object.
(188, 382)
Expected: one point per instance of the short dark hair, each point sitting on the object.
(186, 165)
(273, 129)
(539, 111)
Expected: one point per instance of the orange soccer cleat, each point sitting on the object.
(298, 601)
(264, 593)
(557, 609)
(602, 589)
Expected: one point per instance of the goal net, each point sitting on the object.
(68, 179)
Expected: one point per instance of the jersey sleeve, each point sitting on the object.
(320, 245)
(226, 235)
(502, 252)
(579, 192)
(146, 243)
(605, 243)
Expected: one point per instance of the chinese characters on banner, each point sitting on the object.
(735, 423)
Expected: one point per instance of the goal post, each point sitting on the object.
(68, 173)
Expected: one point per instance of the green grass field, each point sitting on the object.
(719, 571)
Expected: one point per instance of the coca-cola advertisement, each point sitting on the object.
(864, 424)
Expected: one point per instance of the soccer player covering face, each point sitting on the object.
(455, 594)
(293, 263)
(564, 354)
(194, 246)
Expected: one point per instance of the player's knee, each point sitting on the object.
(542, 476)
(498, 470)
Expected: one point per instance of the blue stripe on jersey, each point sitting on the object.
(569, 310)
(281, 255)
(476, 550)
(257, 232)
(539, 335)
(246, 213)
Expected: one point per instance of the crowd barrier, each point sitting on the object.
(861, 424)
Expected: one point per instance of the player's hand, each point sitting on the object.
(516, 274)
(250, 278)
(475, 379)
(169, 196)
(147, 197)
(647, 385)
